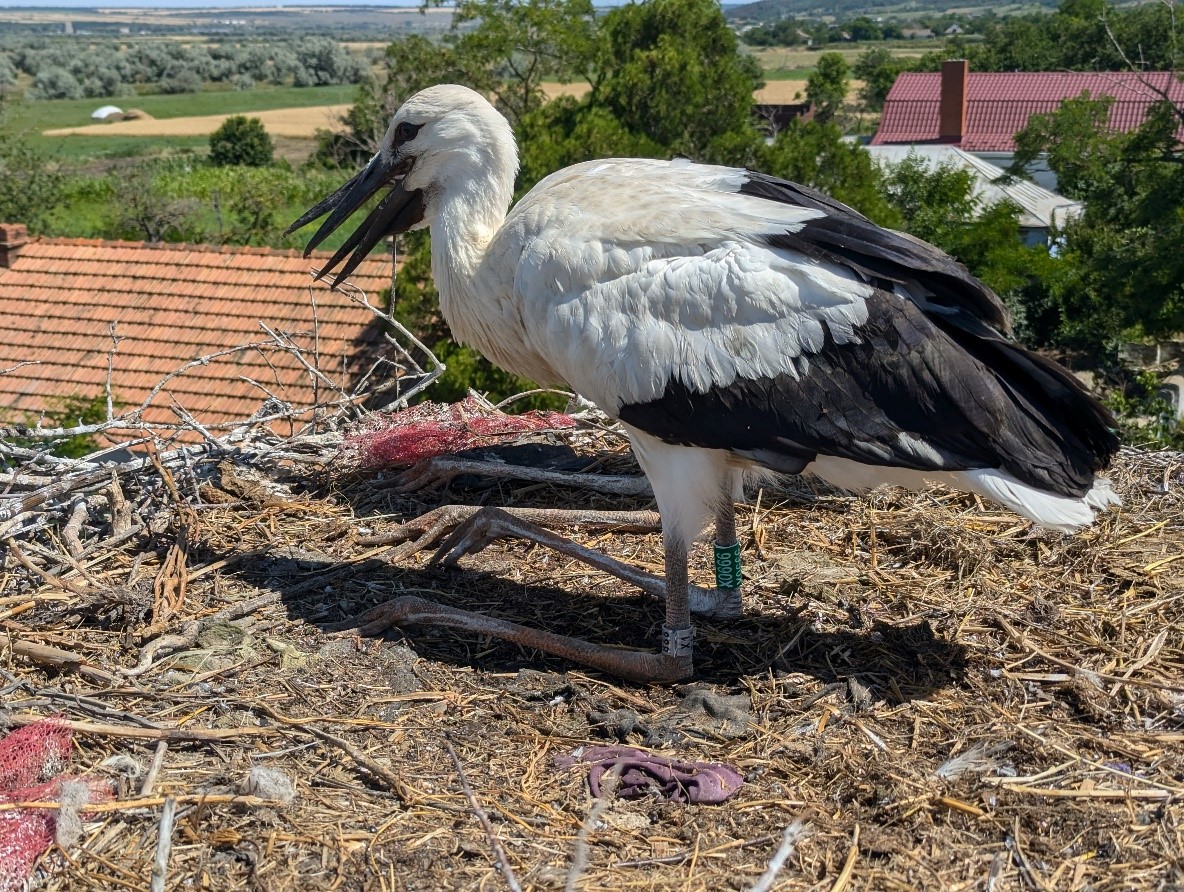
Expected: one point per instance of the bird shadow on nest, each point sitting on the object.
(898, 662)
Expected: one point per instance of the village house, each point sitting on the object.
(981, 112)
(1041, 211)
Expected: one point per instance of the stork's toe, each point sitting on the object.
(716, 603)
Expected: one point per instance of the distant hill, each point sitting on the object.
(769, 10)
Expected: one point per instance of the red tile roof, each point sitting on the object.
(998, 105)
(170, 304)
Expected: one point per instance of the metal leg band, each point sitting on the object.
(678, 642)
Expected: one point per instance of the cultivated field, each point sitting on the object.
(291, 122)
(797, 63)
(775, 91)
(304, 122)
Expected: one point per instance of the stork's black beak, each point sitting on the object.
(397, 212)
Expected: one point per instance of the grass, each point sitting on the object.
(87, 208)
(78, 148)
(796, 63)
(48, 114)
(92, 219)
(788, 74)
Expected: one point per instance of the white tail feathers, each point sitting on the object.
(1042, 507)
(1045, 508)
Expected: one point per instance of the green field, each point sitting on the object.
(31, 117)
(796, 63)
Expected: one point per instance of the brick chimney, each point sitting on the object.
(13, 237)
(954, 76)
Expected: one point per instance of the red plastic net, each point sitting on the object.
(431, 429)
(32, 762)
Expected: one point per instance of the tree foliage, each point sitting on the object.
(878, 69)
(826, 87)
(672, 71)
(940, 205)
(71, 411)
(241, 140)
(1081, 35)
(30, 184)
(144, 208)
(1123, 270)
(71, 68)
(56, 83)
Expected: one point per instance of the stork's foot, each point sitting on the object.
(441, 470)
(716, 603)
(428, 529)
(663, 668)
(486, 525)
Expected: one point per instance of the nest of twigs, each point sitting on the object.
(943, 697)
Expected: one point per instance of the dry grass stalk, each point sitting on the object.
(499, 853)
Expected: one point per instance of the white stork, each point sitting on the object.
(732, 322)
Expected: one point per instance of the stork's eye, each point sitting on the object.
(405, 132)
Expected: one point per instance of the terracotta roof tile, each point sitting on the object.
(999, 104)
(171, 304)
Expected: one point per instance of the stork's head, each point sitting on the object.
(442, 141)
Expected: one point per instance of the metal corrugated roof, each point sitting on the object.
(1040, 208)
(999, 104)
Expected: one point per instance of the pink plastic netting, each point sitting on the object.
(431, 429)
(32, 762)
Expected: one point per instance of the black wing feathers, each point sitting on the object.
(906, 396)
(932, 384)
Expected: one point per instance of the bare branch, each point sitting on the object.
(110, 371)
(20, 365)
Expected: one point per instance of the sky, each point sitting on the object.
(189, 4)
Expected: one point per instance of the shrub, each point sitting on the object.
(182, 80)
(56, 83)
(241, 140)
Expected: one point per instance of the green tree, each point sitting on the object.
(30, 185)
(863, 29)
(817, 155)
(144, 207)
(56, 83)
(783, 32)
(67, 412)
(672, 71)
(241, 140)
(1123, 270)
(827, 84)
(1082, 35)
(939, 205)
(410, 64)
(523, 43)
(181, 79)
(878, 68)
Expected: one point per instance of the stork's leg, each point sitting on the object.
(678, 633)
(486, 525)
(410, 610)
(444, 468)
(727, 558)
